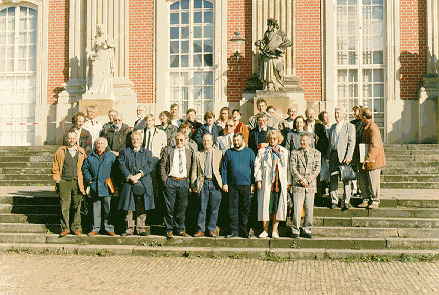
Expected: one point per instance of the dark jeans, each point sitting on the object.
(176, 199)
(210, 195)
(69, 192)
(239, 208)
(101, 210)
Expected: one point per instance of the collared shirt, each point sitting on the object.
(208, 164)
(311, 126)
(73, 150)
(149, 138)
(336, 134)
(209, 128)
(175, 168)
(261, 129)
(289, 123)
(78, 134)
(230, 140)
(94, 127)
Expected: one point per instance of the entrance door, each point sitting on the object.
(18, 53)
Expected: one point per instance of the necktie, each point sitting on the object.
(207, 164)
(305, 154)
(180, 158)
(149, 140)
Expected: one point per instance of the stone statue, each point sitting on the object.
(271, 50)
(101, 58)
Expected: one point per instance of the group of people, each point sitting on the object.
(222, 162)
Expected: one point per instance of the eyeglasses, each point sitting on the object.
(230, 125)
(179, 139)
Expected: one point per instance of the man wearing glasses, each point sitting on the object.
(225, 142)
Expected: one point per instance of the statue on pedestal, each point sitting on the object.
(271, 49)
(101, 58)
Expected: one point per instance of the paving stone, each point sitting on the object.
(364, 253)
(299, 253)
(105, 250)
(238, 253)
(330, 243)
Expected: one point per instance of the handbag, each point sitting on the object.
(347, 173)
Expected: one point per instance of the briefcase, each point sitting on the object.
(347, 173)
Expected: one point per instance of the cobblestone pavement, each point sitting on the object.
(70, 274)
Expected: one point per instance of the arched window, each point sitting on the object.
(18, 68)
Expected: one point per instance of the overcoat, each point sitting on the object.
(263, 172)
(375, 156)
(131, 163)
(300, 168)
(98, 172)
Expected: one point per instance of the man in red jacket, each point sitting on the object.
(375, 159)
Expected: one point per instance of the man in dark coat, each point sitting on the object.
(210, 128)
(117, 134)
(136, 196)
(258, 136)
(83, 136)
(97, 170)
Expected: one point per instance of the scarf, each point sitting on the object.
(276, 156)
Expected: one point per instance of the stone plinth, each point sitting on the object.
(281, 100)
(428, 110)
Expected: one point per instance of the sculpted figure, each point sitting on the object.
(102, 63)
(271, 49)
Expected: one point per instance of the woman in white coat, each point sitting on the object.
(271, 167)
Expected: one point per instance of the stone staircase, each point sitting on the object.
(406, 224)
(413, 166)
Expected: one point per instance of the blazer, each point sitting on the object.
(96, 173)
(293, 141)
(166, 162)
(359, 127)
(372, 136)
(198, 162)
(117, 141)
(253, 139)
(216, 131)
(315, 124)
(140, 124)
(285, 129)
(58, 163)
(170, 131)
(85, 140)
(346, 141)
(299, 169)
(242, 128)
(322, 141)
(131, 163)
(158, 142)
(224, 144)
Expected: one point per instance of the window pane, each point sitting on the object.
(174, 47)
(174, 18)
(198, 46)
(184, 46)
(185, 18)
(197, 78)
(11, 52)
(22, 38)
(198, 4)
(208, 46)
(378, 90)
(197, 93)
(378, 76)
(174, 61)
(10, 65)
(208, 60)
(208, 32)
(208, 92)
(22, 53)
(22, 65)
(185, 33)
(208, 4)
(33, 37)
(208, 78)
(32, 51)
(174, 79)
(23, 25)
(208, 17)
(185, 4)
(208, 106)
(378, 105)
(176, 5)
(198, 32)
(367, 76)
(184, 61)
(378, 57)
(175, 33)
(198, 60)
(198, 17)
(377, 12)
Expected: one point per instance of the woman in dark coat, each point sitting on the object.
(166, 126)
(136, 196)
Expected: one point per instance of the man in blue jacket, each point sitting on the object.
(97, 170)
(136, 196)
(210, 128)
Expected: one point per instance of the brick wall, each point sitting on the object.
(58, 48)
(308, 48)
(141, 48)
(239, 15)
(413, 44)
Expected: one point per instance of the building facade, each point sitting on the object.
(381, 54)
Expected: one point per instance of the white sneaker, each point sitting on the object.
(275, 235)
(264, 234)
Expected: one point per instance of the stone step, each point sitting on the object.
(409, 170)
(412, 158)
(30, 200)
(222, 242)
(29, 228)
(381, 222)
(29, 218)
(25, 171)
(272, 254)
(393, 152)
(410, 185)
(26, 182)
(26, 177)
(43, 148)
(375, 232)
(30, 209)
(28, 153)
(411, 164)
(410, 178)
(45, 164)
(411, 147)
(380, 212)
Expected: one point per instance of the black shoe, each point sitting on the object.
(144, 234)
(294, 236)
(345, 207)
(333, 206)
(245, 235)
(232, 236)
(125, 234)
(307, 236)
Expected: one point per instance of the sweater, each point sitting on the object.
(237, 167)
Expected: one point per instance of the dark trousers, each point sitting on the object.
(139, 215)
(176, 199)
(101, 210)
(239, 208)
(210, 195)
(69, 193)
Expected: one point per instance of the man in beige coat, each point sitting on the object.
(206, 181)
(67, 173)
(371, 168)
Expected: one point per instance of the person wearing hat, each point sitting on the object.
(136, 197)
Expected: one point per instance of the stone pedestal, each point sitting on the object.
(428, 110)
